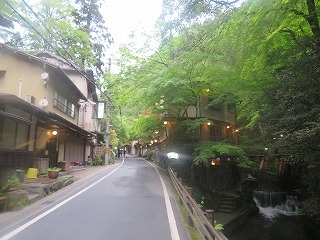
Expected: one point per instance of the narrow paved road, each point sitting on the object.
(128, 202)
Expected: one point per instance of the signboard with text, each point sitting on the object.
(100, 110)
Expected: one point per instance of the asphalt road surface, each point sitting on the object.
(131, 200)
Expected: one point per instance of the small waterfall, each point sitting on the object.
(272, 204)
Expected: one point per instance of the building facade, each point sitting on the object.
(42, 110)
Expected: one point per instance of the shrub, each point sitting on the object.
(98, 160)
(8, 179)
(150, 155)
(207, 150)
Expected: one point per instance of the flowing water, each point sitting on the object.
(277, 219)
(273, 204)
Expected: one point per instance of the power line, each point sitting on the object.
(82, 72)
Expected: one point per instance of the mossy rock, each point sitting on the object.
(17, 199)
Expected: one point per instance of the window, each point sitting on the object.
(13, 134)
(94, 112)
(64, 105)
(215, 134)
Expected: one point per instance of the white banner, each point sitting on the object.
(100, 110)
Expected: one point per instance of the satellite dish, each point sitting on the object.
(44, 75)
(43, 102)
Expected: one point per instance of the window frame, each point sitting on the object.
(64, 105)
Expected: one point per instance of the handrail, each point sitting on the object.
(202, 224)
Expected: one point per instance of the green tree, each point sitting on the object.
(8, 19)
(46, 27)
(89, 19)
(179, 14)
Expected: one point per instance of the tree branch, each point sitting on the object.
(292, 34)
(161, 62)
(225, 2)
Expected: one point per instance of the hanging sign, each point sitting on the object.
(100, 110)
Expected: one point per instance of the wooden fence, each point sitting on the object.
(197, 216)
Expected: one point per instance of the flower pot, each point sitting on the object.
(53, 174)
(65, 166)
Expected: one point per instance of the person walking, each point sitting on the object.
(119, 152)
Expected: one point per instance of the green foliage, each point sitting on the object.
(88, 18)
(150, 155)
(54, 169)
(201, 204)
(17, 200)
(218, 226)
(190, 125)
(8, 179)
(207, 150)
(98, 159)
(145, 126)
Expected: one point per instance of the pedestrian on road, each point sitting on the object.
(119, 152)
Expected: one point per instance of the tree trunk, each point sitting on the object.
(313, 21)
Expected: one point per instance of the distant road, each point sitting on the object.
(127, 202)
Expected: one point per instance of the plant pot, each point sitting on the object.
(65, 166)
(53, 174)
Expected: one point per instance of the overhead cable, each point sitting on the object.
(82, 72)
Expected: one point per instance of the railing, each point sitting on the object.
(62, 107)
(199, 220)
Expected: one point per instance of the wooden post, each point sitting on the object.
(209, 213)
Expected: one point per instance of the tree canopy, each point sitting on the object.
(259, 56)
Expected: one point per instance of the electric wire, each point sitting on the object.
(71, 63)
(82, 72)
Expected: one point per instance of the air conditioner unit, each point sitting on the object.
(31, 99)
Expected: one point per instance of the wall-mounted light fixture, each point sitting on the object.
(228, 126)
(165, 122)
(208, 123)
(52, 132)
(215, 162)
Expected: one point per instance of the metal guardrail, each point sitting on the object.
(199, 220)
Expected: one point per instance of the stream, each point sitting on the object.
(277, 219)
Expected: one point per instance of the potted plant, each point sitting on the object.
(53, 173)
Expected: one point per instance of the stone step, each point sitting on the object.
(34, 188)
(227, 204)
(226, 210)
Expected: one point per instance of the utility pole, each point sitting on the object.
(107, 150)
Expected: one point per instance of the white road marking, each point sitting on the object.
(172, 221)
(26, 225)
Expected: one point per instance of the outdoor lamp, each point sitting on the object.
(173, 155)
(165, 122)
(54, 132)
(215, 161)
